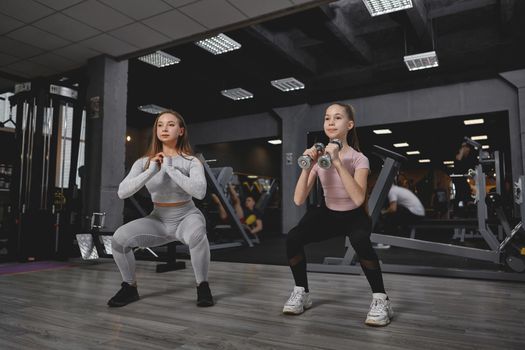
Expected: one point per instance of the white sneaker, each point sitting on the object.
(298, 302)
(380, 311)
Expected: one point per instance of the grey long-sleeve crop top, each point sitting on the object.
(178, 179)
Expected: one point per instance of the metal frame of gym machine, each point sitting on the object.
(495, 253)
(39, 204)
(236, 223)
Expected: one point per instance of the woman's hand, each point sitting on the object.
(159, 158)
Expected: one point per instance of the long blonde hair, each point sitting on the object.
(183, 141)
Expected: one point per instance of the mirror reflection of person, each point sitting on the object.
(440, 201)
(249, 216)
(464, 161)
(404, 209)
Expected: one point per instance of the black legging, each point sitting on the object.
(320, 224)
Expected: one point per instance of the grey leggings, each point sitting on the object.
(184, 223)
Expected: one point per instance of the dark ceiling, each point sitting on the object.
(339, 51)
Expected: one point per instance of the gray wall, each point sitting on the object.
(234, 129)
(505, 93)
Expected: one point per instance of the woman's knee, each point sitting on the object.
(118, 238)
(197, 234)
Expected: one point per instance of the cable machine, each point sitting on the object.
(48, 126)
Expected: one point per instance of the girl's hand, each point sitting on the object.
(312, 153)
(333, 150)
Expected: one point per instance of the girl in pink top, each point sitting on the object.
(344, 185)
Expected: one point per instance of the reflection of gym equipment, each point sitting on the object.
(497, 253)
(41, 194)
(218, 189)
(482, 222)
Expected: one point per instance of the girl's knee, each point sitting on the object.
(358, 238)
(294, 236)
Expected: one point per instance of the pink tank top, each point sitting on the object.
(335, 195)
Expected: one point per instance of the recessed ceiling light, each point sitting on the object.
(424, 160)
(252, 176)
(448, 162)
(450, 166)
(382, 131)
(287, 84)
(421, 60)
(412, 153)
(401, 144)
(128, 138)
(275, 142)
(237, 94)
(380, 7)
(479, 137)
(160, 59)
(218, 44)
(473, 121)
(485, 147)
(151, 109)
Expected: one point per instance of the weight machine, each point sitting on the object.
(48, 127)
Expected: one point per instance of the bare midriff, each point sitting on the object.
(177, 204)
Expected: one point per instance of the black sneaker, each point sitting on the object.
(127, 294)
(204, 297)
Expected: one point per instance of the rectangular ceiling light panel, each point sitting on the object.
(473, 121)
(382, 131)
(287, 84)
(237, 94)
(160, 59)
(421, 60)
(151, 109)
(380, 7)
(218, 44)
(401, 144)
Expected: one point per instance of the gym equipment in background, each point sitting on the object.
(508, 252)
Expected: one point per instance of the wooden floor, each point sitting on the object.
(66, 309)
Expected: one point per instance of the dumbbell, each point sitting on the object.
(325, 161)
(305, 161)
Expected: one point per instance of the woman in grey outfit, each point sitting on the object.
(172, 176)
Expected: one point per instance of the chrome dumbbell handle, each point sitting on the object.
(305, 161)
(325, 161)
